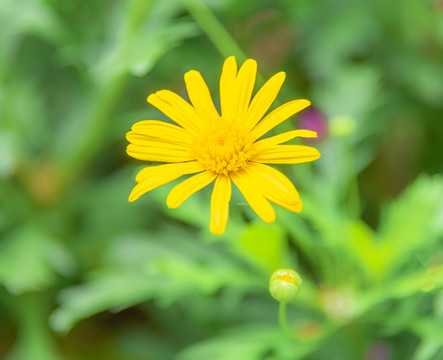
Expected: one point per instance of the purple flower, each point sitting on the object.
(378, 351)
(313, 119)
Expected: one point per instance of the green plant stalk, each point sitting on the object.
(283, 320)
(215, 31)
(354, 203)
(104, 105)
(328, 328)
(34, 340)
(103, 108)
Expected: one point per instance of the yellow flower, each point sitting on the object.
(222, 147)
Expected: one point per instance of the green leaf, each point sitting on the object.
(250, 342)
(265, 245)
(414, 222)
(147, 30)
(30, 16)
(165, 267)
(30, 260)
(430, 331)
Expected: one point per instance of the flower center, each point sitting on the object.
(287, 278)
(222, 148)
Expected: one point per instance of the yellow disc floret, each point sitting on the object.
(222, 148)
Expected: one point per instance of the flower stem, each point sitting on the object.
(103, 103)
(34, 338)
(103, 106)
(215, 31)
(283, 320)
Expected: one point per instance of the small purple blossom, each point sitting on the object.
(378, 351)
(313, 119)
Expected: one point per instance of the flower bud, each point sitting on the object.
(285, 284)
(342, 125)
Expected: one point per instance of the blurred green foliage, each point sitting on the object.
(86, 275)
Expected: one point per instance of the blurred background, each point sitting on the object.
(86, 275)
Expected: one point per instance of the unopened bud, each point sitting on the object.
(342, 125)
(285, 284)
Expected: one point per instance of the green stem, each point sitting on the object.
(34, 337)
(215, 31)
(283, 320)
(93, 135)
(327, 328)
(354, 204)
(105, 102)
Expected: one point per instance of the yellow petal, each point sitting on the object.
(227, 86)
(282, 138)
(286, 154)
(162, 130)
(263, 100)
(253, 195)
(244, 85)
(158, 152)
(277, 116)
(144, 140)
(167, 170)
(188, 187)
(154, 176)
(200, 96)
(176, 108)
(220, 204)
(275, 186)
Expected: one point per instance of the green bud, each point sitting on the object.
(285, 284)
(342, 125)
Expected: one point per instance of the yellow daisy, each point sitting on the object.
(224, 147)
